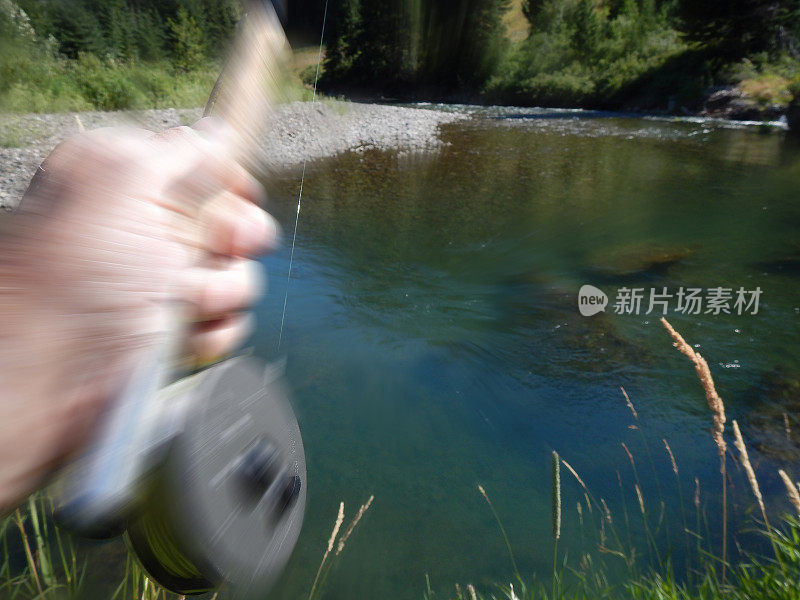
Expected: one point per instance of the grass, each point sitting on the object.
(41, 562)
(91, 83)
(33, 81)
(13, 135)
(772, 575)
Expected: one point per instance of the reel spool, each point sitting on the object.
(227, 503)
(220, 494)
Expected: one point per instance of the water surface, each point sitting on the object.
(434, 342)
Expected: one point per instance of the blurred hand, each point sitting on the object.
(118, 228)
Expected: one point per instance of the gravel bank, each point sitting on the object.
(301, 132)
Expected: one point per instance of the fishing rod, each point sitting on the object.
(203, 473)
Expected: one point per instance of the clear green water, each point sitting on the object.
(434, 342)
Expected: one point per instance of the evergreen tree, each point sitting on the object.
(151, 35)
(77, 29)
(342, 31)
(119, 22)
(382, 42)
(220, 18)
(187, 41)
(587, 28)
(732, 29)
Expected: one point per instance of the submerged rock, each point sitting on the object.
(544, 317)
(773, 421)
(636, 261)
(785, 263)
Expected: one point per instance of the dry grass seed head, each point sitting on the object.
(671, 456)
(791, 490)
(574, 473)
(607, 512)
(738, 441)
(696, 492)
(364, 508)
(629, 403)
(704, 374)
(639, 497)
(336, 527)
(628, 452)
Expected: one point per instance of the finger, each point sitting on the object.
(204, 177)
(213, 339)
(234, 226)
(215, 292)
(212, 140)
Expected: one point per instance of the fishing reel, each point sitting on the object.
(205, 476)
(206, 480)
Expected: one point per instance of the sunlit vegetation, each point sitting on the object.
(591, 53)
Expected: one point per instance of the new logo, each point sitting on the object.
(591, 300)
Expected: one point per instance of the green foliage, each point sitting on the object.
(78, 29)
(383, 43)
(754, 579)
(102, 87)
(33, 81)
(190, 31)
(581, 53)
(767, 81)
(589, 53)
(187, 41)
(131, 72)
(343, 31)
(586, 25)
(50, 568)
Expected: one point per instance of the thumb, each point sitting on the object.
(217, 131)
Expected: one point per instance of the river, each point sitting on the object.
(434, 342)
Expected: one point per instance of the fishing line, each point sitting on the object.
(302, 181)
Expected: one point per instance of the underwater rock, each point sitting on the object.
(773, 422)
(545, 318)
(786, 263)
(636, 261)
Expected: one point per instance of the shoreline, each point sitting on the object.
(302, 131)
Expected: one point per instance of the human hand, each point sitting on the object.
(118, 228)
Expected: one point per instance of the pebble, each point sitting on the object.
(300, 131)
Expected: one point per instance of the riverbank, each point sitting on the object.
(301, 131)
